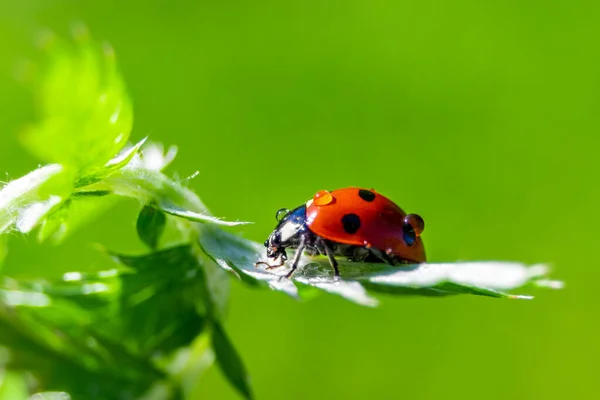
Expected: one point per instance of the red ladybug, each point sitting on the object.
(356, 223)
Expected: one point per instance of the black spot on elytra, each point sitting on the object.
(366, 195)
(351, 223)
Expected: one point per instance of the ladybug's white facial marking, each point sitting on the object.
(288, 230)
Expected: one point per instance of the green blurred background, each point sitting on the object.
(480, 116)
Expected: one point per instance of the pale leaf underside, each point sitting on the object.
(359, 281)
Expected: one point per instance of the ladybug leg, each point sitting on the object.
(382, 256)
(296, 259)
(280, 264)
(332, 260)
(271, 266)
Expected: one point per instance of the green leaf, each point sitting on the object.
(24, 202)
(74, 212)
(141, 179)
(45, 198)
(150, 225)
(360, 280)
(147, 323)
(85, 112)
(71, 333)
(83, 205)
(69, 356)
(180, 257)
(91, 193)
(54, 226)
(216, 284)
(149, 185)
(161, 298)
(197, 217)
(190, 363)
(229, 361)
(51, 396)
(113, 165)
(177, 268)
(12, 386)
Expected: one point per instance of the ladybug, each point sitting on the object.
(356, 223)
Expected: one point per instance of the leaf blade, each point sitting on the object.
(86, 113)
(150, 225)
(198, 217)
(24, 199)
(359, 280)
(230, 362)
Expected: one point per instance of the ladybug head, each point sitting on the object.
(274, 245)
(291, 226)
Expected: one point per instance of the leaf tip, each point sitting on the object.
(142, 141)
(520, 297)
(236, 223)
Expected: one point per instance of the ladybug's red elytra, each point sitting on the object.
(360, 224)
